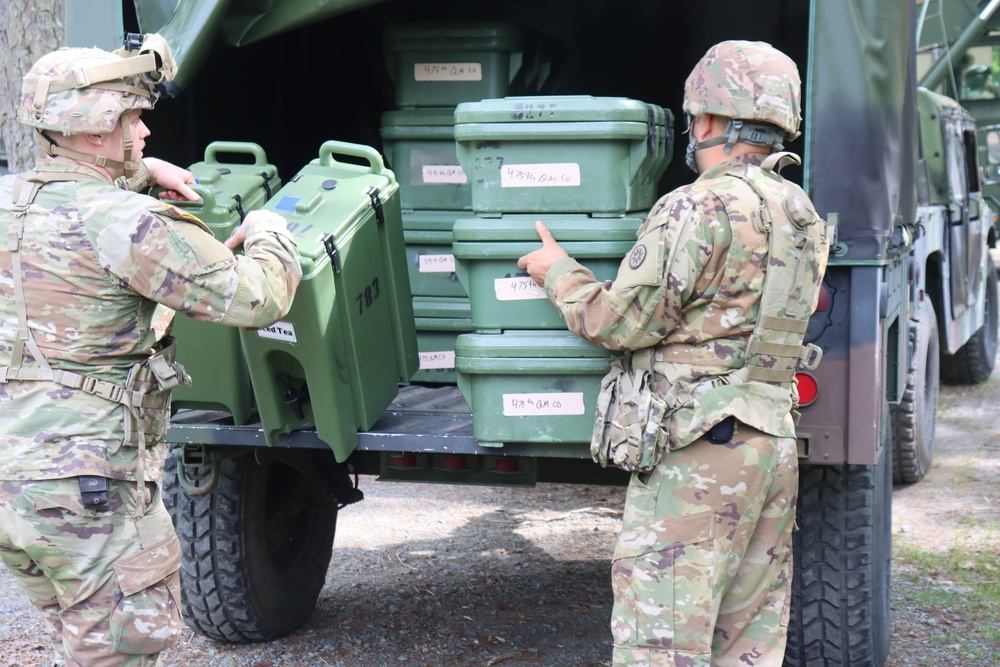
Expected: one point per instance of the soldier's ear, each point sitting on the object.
(703, 127)
(92, 139)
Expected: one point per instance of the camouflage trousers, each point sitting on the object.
(702, 571)
(107, 582)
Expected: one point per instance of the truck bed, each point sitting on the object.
(423, 418)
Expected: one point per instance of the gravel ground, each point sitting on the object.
(446, 575)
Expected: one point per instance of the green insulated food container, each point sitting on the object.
(429, 259)
(336, 359)
(530, 386)
(420, 148)
(563, 154)
(504, 296)
(234, 179)
(439, 321)
(442, 64)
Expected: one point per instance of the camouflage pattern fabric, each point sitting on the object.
(97, 260)
(746, 81)
(109, 589)
(698, 312)
(702, 571)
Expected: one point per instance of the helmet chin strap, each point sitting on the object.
(756, 134)
(129, 167)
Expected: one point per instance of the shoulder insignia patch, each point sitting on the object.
(637, 257)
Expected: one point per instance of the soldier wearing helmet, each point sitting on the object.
(710, 308)
(84, 378)
(977, 83)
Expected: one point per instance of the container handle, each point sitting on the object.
(207, 197)
(651, 131)
(329, 148)
(241, 147)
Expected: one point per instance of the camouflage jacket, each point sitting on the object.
(96, 260)
(697, 313)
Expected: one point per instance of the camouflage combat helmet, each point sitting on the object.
(753, 84)
(87, 91)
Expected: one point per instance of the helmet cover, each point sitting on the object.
(86, 91)
(744, 80)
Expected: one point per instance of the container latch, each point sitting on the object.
(377, 205)
(332, 252)
(267, 184)
(651, 130)
(239, 206)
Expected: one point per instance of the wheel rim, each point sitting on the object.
(287, 518)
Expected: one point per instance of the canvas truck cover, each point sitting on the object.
(861, 120)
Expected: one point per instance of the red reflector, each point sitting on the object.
(807, 388)
(405, 461)
(455, 463)
(505, 464)
(824, 299)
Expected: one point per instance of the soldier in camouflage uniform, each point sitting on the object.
(713, 301)
(84, 384)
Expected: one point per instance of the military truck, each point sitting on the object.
(910, 294)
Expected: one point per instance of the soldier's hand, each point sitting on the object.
(238, 237)
(171, 178)
(538, 263)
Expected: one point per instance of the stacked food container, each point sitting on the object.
(588, 168)
(435, 67)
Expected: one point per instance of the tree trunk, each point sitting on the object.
(28, 30)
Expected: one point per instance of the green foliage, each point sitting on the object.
(958, 587)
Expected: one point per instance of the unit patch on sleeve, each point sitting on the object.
(637, 257)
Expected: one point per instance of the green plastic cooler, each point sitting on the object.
(440, 65)
(420, 147)
(563, 154)
(336, 359)
(439, 321)
(234, 179)
(530, 386)
(429, 258)
(504, 296)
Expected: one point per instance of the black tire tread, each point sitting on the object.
(227, 589)
(840, 580)
(908, 417)
(213, 600)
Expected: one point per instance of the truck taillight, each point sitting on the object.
(808, 389)
(824, 299)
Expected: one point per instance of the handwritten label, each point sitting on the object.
(436, 360)
(552, 175)
(448, 72)
(444, 173)
(437, 264)
(538, 405)
(283, 331)
(518, 289)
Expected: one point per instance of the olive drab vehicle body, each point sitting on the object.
(898, 154)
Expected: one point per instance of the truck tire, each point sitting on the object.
(256, 547)
(914, 419)
(842, 552)
(973, 363)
